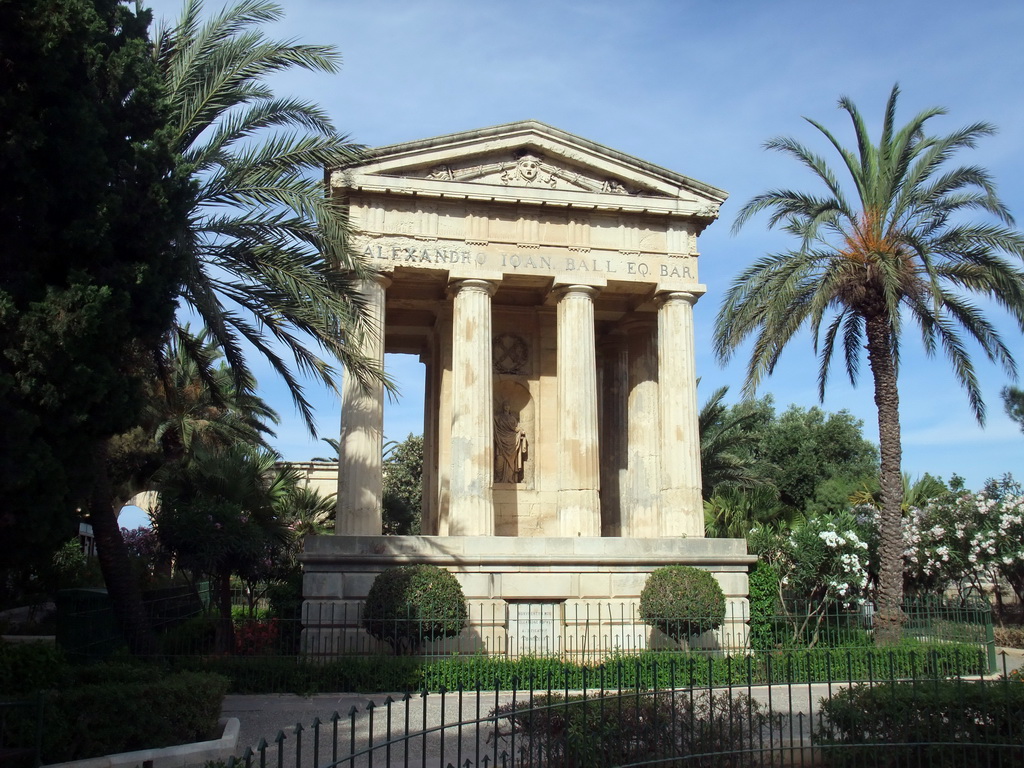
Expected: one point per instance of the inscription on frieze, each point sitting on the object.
(623, 266)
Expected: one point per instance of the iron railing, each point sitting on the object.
(582, 634)
(786, 720)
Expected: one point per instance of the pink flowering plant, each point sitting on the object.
(967, 541)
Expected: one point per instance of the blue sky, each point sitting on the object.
(696, 88)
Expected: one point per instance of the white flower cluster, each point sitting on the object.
(965, 539)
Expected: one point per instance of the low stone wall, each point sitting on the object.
(180, 756)
(571, 596)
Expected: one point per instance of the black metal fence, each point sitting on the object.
(583, 634)
(790, 719)
(596, 686)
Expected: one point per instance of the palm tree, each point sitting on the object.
(725, 440)
(894, 243)
(1013, 402)
(266, 252)
(192, 403)
(306, 512)
(269, 261)
(916, 493)
(197, 401)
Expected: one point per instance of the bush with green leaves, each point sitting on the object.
(410, 605)
(633, 727)
(106, 708)
(765, 606)
(682, 601)
(122, 708)
(918, 724)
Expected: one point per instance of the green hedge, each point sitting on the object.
(134, 708)
(289, 674)
(645, 671)
(935, 723)
(101, 709)
(663, 669)
(28, 667)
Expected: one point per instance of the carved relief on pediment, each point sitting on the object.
(527, 168)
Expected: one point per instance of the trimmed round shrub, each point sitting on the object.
(412, 604)
(682, 601)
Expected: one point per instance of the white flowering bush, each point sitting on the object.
(967, 541)
(823, 565)
(829, 560)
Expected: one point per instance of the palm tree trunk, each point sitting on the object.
(124, 591)
(890, 528)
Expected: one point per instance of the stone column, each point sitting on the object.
(428, 510)
(579, 507)
(471, 506)
(612, 393)
(362, 430)
(642, 489)
(682, 510)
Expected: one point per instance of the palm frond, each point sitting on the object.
(269, 255)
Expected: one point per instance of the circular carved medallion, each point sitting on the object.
(510, 353)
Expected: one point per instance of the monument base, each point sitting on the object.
(574, 597)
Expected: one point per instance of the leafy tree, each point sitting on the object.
(967, 542)
(410, 605)
(92, 207)
(682, 601)
(809, 461)
(1013, 401)
(268, 254)
(823, 563)
(403, 486)
(219, 515)
(894, 243)
(818, 458)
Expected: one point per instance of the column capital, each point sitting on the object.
(560, 291)
(662, 298)
(636, 323)
(457, 285)
(616, 338)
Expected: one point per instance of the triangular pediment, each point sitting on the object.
(529, 162)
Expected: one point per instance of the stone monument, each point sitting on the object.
(547, 283)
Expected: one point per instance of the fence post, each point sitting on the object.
(990, 641)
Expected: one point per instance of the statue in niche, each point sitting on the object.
(510, 446)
